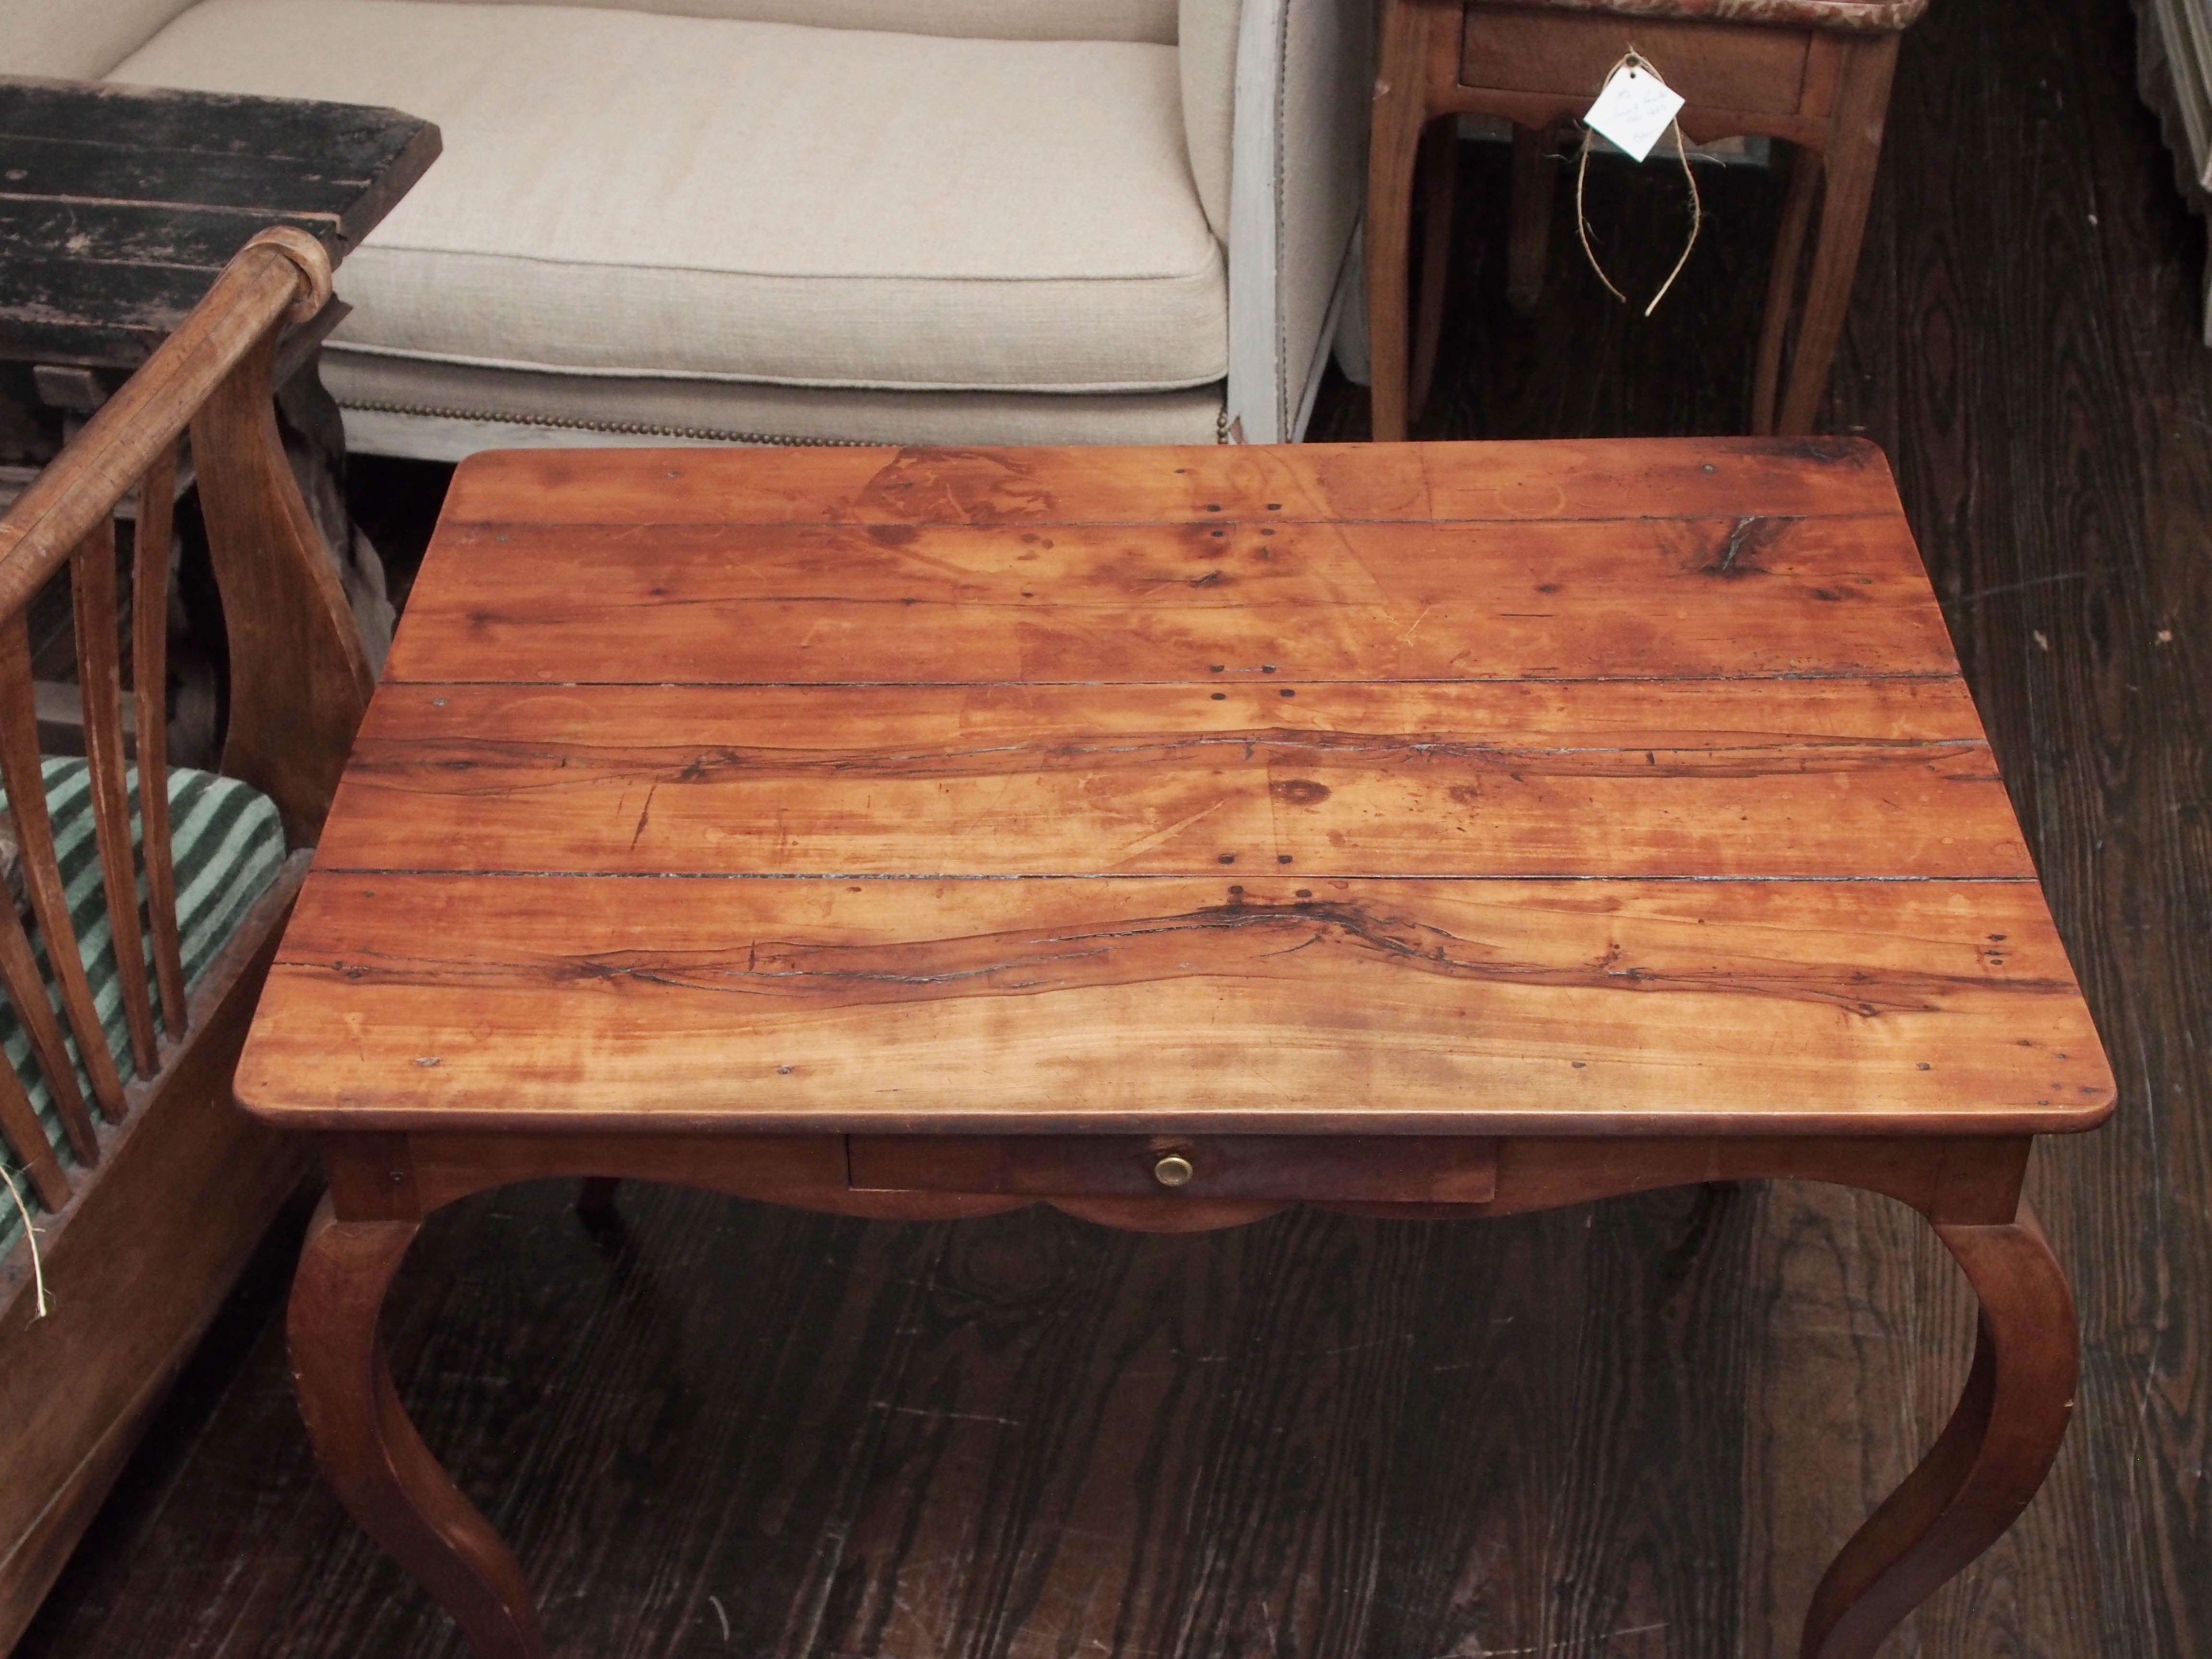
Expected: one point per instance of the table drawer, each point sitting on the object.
(1714, 66)
(1381, 1169)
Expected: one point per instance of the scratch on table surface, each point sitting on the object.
(1145, 844)
(1740, 536)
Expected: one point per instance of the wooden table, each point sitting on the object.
(1170, 835)
(121, 203)
(118, 206)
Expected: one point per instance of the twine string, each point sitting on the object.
(1633, 59)
(30, 1232)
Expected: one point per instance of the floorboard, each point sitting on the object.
(1636, 1430)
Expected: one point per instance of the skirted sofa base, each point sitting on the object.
(398, 405)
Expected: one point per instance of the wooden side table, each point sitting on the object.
(119, 207)
(1171, 835)
(1812, 73)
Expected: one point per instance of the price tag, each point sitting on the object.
(1635, 108)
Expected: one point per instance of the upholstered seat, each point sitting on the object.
(784, 205)
(227, 844)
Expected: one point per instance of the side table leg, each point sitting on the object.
(1439, 175)
(1854, 151)
(1805, 168)
(1394, 144)
(1529, 232)
(1991, 1458)
(368, 1450)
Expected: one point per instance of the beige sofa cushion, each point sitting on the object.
(631, 194)
(989, 20)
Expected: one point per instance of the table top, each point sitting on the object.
(118, 204)
(1587, 788)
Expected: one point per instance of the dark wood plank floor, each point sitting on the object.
(1632, 1430)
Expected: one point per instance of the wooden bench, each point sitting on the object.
(151, 1189)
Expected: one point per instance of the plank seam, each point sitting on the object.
(388, 871)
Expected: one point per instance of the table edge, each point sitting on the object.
(1577, 1125)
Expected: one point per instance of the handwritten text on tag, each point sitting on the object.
(1635, 108)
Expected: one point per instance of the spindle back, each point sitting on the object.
(298, 678)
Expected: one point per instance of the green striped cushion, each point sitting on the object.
(227, 844)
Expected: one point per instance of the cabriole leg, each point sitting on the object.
(368, 1450)
(1991, 1458)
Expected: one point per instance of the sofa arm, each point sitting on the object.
(1305, 68)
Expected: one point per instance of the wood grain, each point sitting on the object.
(137, 1263)
(369, 1451)
(1004, 1437)
(92, 593)
(141, 1251)
(149, 649)
(1484, 1007)
(1321, 483)
(28, 1144)
(1364, 825)
(300, 678)
(1331, 780)
(1632, 1429)
(1962, 1180)
(1749, 67)
(68, 500)
(1448, 1171)
(42, 878)
(25, 987)
(1733, 594)
(121, 204)
(817, 938)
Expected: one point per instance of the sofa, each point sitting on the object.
(812, 221)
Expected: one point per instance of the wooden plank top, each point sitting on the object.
(1624, 787)
(118, 204)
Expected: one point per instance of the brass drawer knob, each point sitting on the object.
(1173, 1171)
